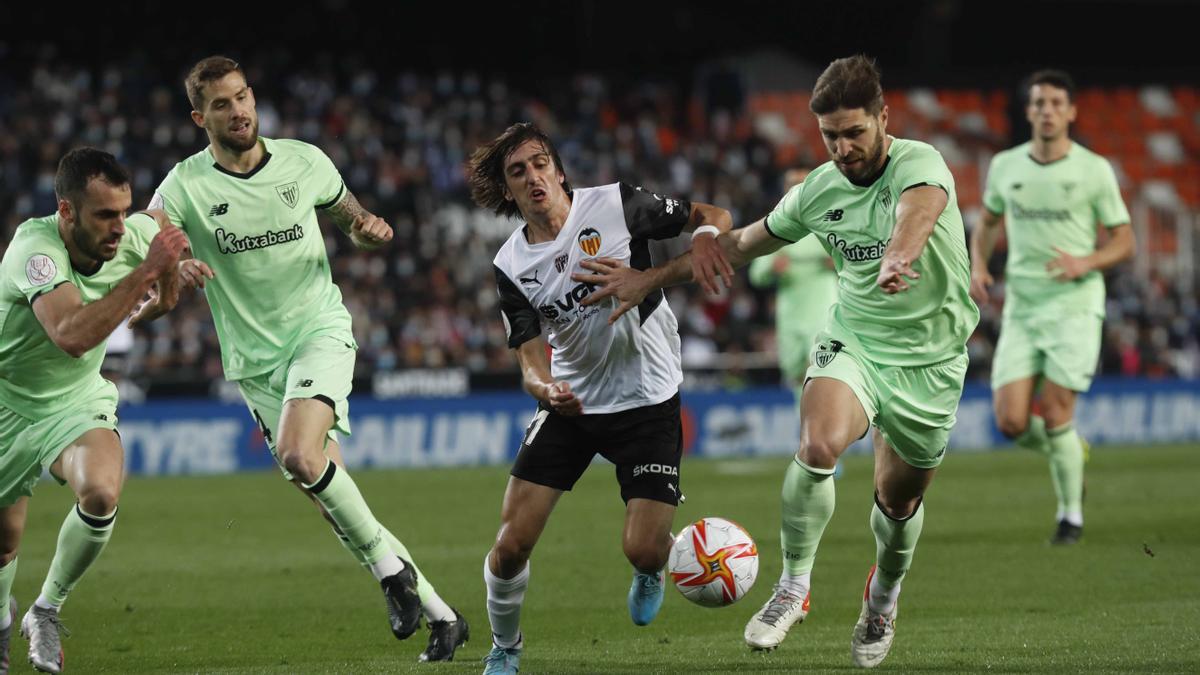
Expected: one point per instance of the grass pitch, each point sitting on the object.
(239, 574)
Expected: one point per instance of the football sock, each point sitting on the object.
(80, 541)
(345, 505)
(796, 584)
(895, 542)
(1066, 470)
(1035, 437)
(504, 598)
(434, 608)
(808, 500)
(8, 573)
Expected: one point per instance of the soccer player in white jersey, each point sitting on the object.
(66, 282)
(248, 205)
(607, 389)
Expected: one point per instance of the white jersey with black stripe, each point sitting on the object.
(632, 363)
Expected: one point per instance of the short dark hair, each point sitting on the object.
(1052, 77)
(848, 83)
(79, 166)
(208, 70)
(486, 167)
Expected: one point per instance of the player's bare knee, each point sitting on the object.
(298, 462)
(99, 500)
(819, 453)
(1012, 425)
(646, 556)
(897, 507)
(8, 551)
(510, 554)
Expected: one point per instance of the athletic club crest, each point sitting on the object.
(40, 269)
(589, 241)
(289, 193)
(825, 353)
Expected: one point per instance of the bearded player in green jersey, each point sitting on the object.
(1050, 194)
(893, 353)
(248, 205)
(66, 282)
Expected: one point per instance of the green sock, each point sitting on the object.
(82, 537)
(1035, 437)
(895, 542)
(8, 574)
(434, 607)
(1066, 470)
(808, 500)
(345, 505)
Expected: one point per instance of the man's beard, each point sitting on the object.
(872, 162)
(234, 145)
(87, 246)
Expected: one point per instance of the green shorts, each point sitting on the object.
(28, 447)
(1064, 349)
(912, 406)
(321, 367)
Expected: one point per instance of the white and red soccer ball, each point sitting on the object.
(713, 562)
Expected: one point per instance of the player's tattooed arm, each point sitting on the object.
(365, 229)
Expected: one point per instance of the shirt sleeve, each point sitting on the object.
(922, 166)
(140, 230)
(166, 197)
(521, 323)
(650, 216)
(786, 220)
(993, 201)
(327, 184)
(41, 266)
(1108, 205)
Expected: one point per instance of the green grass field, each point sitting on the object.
(239, 574)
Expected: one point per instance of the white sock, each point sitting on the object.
(6, 620)
(504, 599)
(46, 603)
(386, 567)
(436, 609)
(1073, 517)
(880, 599)
(795, 584)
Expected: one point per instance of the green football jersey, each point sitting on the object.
(36, 377)
(931, 321)
(807, 287)
(258, 231)
(1046, 206)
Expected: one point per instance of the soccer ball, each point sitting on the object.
(713, 562)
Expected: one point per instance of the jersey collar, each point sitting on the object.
(259, 167)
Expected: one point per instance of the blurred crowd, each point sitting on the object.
(401, 140)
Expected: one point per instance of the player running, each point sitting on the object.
(248, 205)
(893, 354)
(66, 282)
(1048, 195)
(607, 390)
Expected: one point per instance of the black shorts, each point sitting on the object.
(644, 443)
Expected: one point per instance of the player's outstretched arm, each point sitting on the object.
(537, 380)
(1119, 247)
(706, 223)
(916, 215)
(983, 242)
(77, 327)
(366, 230)
(630, 286)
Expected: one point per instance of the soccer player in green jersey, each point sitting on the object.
(1050, 194)
(806, 287)
(892, 355)
(248, 205)
(66, 282)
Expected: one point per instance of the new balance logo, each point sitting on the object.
(219, 210)
(832, 215)
(102, 417)
(305, 383)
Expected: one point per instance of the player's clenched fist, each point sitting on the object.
(370, 232)
(165, 250)
(193, 273)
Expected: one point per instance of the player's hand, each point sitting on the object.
(147, 310)
(370, 232)
(165, 250)
(981, 281)
(193, 273)
(1067, 267)
(563, 400)
(617, 280)
(709, 262)
(891, 275)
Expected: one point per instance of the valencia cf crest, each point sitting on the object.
(589, 241)
(289, 193)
